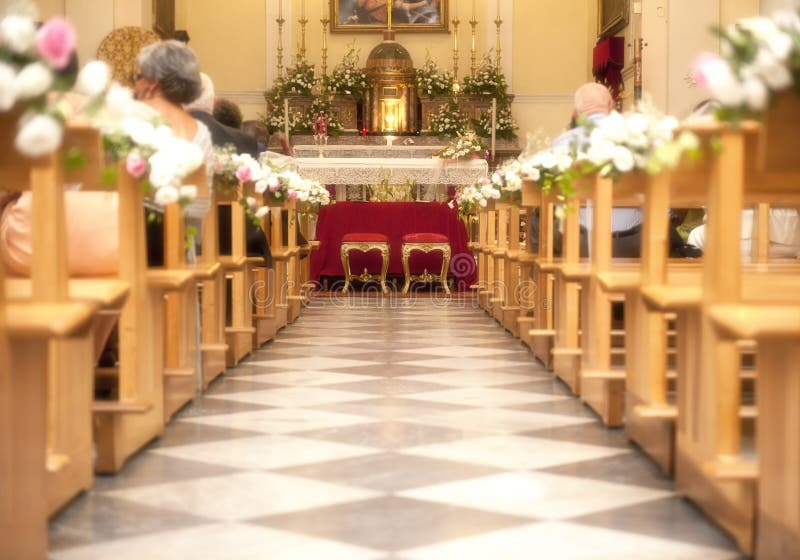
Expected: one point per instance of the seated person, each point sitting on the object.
(228, 113)
(784, 233)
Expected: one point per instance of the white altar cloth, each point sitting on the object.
(371, 171)
(358, 151)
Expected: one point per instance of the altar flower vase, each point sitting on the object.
(135, 165)
(55, 42)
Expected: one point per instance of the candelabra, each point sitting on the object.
(474, 23)
(325, 21)
(497, 47)
(280, 21)
(303, 21)
(455, 22)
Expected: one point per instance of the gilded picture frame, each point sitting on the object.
(613, 16)
(364, 16)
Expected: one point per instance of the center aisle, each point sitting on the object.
(370, 430)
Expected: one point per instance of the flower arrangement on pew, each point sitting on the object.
(35, 73)
(431, 80)
(448, 121)
(761, 58)
(231, 170)
(505, 125)
(472, 197)
(347, 77)
(464, 146)
(552, 170)
(508, 179)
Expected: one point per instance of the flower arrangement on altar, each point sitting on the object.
(472, 197)
(299, 78)
(432, 81)
(448, 121)
(347, 77)
(760, 58)
(488, 80)
(505, 125)
(465, 146)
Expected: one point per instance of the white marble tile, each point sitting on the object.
(228, 541)
(537, 495)
(287, 348)
(463, 351)
(564, 541)
(240, 496)
(486, 397)
(304, 378)
(499, 421)
(514, 452)
(280, 420)
(313, 363)
(265, 452)
(459, 378)
(485, 363)
(325, 340)
(293, 396)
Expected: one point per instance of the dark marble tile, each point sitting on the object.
(388, 386)
(391, 523)
(592, 433)
(95, 518)
(386, 435)
(391, 408)
(628, 468)
(146, 469)
(207, 407)
(672, 518)
(188, 433)
(390, 472)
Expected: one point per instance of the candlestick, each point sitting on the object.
(455, 48)
(325, 21)
(474, 23)
(280, 21)
(303, 21)
(389, 13)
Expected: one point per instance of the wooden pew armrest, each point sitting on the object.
(37, 320)
(619, 280)
(669, 297)
(575, 272)
(232, 263)
(748, 321)
(205, 271)
(168, 279)
(108, 293)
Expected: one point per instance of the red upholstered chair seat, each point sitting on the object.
(365, 238)
(425, 238)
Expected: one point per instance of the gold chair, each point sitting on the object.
(365, 242)
(427, 243)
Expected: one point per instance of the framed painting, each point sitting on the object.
(371, 15)
(613, 16)
(164, 18)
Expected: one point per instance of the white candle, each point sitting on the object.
(302, 9)
(280, 9)
(286, 118)
(498, 8)
(474, 9)
(455, 9)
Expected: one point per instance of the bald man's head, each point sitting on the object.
(593, 98)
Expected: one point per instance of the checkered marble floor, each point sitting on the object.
(405, 430)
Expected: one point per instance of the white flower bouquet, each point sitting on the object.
(299, 78)
(760, 58)
(487, 81)
(431, 80)
(472, 197)
(505, 125)
(465, 146)
(347, 77)
(508, 179)
(448, 121)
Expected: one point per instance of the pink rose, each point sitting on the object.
(243, 174)
(703, 67)
(136, 165)
(273, 184)
(292, 195)
(56, 42)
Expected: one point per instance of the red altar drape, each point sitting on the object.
(608, 61)
(393, 219)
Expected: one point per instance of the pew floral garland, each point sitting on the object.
(508, 179)
(230, 170)
(347, 77)
(472, 197)
(431, 80)
(553, 170)
(448, 121)
(37, 68)
(464, 146)
(760, 58)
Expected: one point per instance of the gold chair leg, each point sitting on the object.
(406, 269)
(384, 267)
(345, 254)
(445, 268)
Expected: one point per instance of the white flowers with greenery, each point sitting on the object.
(465, 146)
(300, 77)
(471, 198)
(760, 58)
(505, 125)
(448, 121)
(508, 178)
(347, 77)
(432, 80)
(487, 81)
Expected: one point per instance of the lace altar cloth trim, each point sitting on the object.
(370, 171)
(351, 151)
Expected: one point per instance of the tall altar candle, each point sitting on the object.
(280, 9)
(286, 118)
(302, 9)
(389, 14)
(474, 9)
(455, 9)
(494, 125)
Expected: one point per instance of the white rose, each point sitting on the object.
(756, 94)
(118, 102)
(261, 186)
(251, 202)
(614, 127)
(637, 123)
(787, 19)
(564, 162)
(39, 135)
(141, 132)
(93, 78)
(622, 159)
(188, 191)
(7, 96)
(34, 80)
(261, 212)
(18, 32)
(166, 195)
(774, 72)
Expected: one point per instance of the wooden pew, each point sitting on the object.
(28, 329)
(500, 265)
(264, 317)
(285, 253)
(511, 308)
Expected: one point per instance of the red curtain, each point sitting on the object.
(609, 60)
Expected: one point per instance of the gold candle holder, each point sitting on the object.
(497, 47)
(303, 21)
(474, 23)
(325, 21)
(280, 21)
(455, 22)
